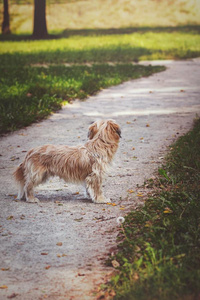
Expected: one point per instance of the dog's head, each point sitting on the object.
(107, 130)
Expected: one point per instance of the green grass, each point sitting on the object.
(141, 45)
(159, 255)
(28, 93)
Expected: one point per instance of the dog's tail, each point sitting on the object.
(19, 174)
(19, 177)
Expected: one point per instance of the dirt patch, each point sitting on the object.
(56, 250)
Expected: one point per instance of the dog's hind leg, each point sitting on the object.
(34, 179)
(21, 192)
(94, 188)
(29, 192)
(19, 177)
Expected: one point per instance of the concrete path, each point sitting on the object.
(56, 250)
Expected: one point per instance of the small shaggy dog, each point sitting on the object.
(85, 164)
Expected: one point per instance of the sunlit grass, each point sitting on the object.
(124, 48)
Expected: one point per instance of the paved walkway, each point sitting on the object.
(56, 250)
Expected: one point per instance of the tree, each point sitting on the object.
(6, 18)
(40, 26)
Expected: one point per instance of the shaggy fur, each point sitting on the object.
(85, 164)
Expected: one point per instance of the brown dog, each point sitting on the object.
(85, 164)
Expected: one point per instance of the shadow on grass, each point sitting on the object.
(109, 31)
(101, 55)
(129, 30)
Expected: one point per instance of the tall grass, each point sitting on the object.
(159, 256)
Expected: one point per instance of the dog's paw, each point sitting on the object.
(86, 195)
(102, 200)
(33, 200)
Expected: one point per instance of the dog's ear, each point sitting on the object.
(92, 130)
(115, 127)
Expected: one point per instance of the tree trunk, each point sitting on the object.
(40, 26)
(6, 21)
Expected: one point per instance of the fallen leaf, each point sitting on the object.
(147, 125)
(5, 269)
(81, 274)
(12, 296)
(47, 267)
(168, 211)
(59, 244)
(10, 218)
(3, 287)
(23, 134)
(128, 122)
(137, 248)
(148, 224)
(182, 91)
(112, 293)
(44, 253)
(78, 220)
(135, 276)
(113, 204)
(133, 148)
(58, 255)
(130, 191)
(139, 195)
(115, 263)
(14, 158)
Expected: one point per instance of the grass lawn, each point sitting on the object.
(33, 81)
(159, 253)
(32, 93)
(145, 44)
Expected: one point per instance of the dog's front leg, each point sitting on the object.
(85, 191)
(94, 188)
